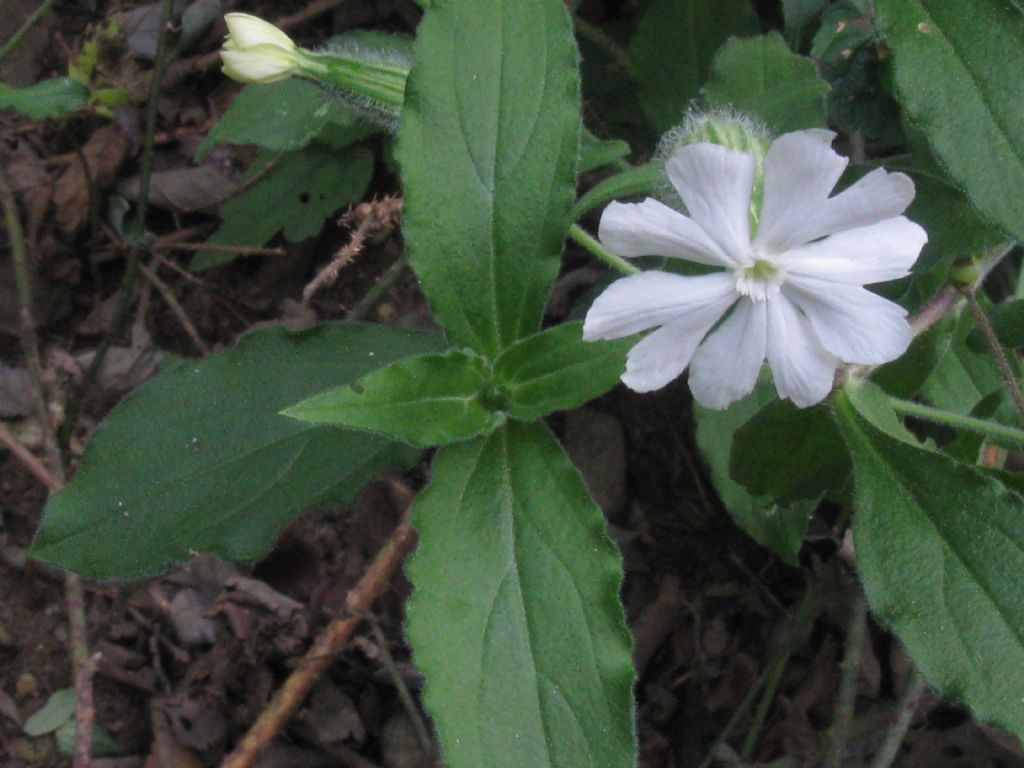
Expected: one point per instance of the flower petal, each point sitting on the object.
(802, 368)
(715, 184)
(878, 196)
(258, 64)
(638, 302)
(725, 367)
(664, 355)
(852, 323)
(651, 228)
(883, 251)
(800, 170)
(246, 30)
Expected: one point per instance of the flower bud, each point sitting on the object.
(256, 51)
(728, 128)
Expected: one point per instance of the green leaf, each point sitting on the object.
(905, 376)
(640, 180)
(295, 197)
(789, 453)
(940, 549)
(672, 50)
(425, 400)
(487, 144)
(282, 116)
(516, 621)
(596, 153)
(801, 17)
(761, 76)
(48, 98)
(555, 370)
(958, 66)
(963, 377)
(199, 459)
(780, 528)
(57, 710)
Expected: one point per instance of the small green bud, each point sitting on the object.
(727, 128)
(964, 272)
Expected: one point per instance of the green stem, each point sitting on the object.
(600, 39)
(847, 695)
(382, 85)
(30, 22)
(905, 713)
(580, 237)
(956, 420)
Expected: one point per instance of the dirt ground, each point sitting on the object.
(187, 661)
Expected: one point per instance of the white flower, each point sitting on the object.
(256, 51)
(795, 288)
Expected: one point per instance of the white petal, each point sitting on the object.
(883, 251)
(878, 196)
(800, 171)
(651, 228)
(725, 367)
(245, 30)
(664, 355)
(852, 323)
(715, 184)
(638, 302)
(259, 64)
(802, 368)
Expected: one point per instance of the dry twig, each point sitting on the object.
(374, 216)
(322, 653)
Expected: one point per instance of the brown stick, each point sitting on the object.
(28, 460)
(322, 652)
(176, 309)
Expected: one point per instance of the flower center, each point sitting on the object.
(760, 281)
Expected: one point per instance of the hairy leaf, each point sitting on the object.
(673, 47)
(425, 400)
(515, 619)
(555, 370)
(959, 70)
(487, 144)
(940, 549)
(762, 77)
(199, 458)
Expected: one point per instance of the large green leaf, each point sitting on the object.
(762, 77)
(780, 527)
(515, 619)
(789, 453)
(487, 144)
(673, 47)
(45, 99)
(424, 400)
(959, 70)
(199, 459)
(940, 548)
(295, 197)
(284, 115)
(555, 370)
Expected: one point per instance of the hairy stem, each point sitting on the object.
(995, 349)
(904, 714)
(847, 695)
(956, 420)
(579, 236)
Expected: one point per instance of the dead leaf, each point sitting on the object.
(126, 368)
(183, 189)
(15, 392)
(333, 715)
(104, 153)
(188, 612)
